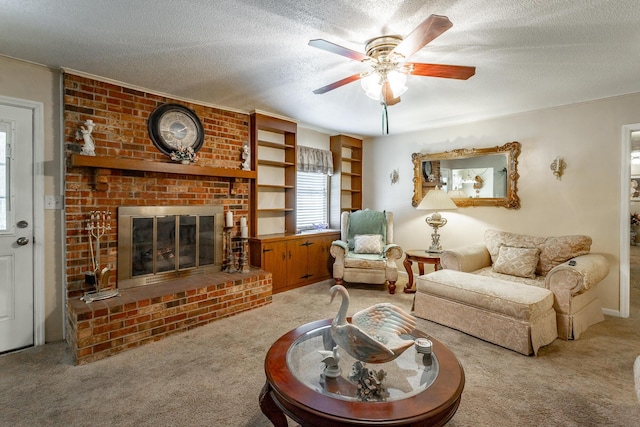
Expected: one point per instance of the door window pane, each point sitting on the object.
(4, 181)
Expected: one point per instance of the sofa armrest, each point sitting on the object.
(587, 272)
(392, 252)
(467, 258)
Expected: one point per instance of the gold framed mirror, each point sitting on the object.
(471, 176)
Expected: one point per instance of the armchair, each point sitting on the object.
(365, 252)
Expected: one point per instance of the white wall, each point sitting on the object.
(586, 200)
(313, 138)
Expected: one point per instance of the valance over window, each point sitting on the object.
(315, 160)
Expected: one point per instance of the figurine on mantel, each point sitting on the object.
(84, 133)
(246, 156)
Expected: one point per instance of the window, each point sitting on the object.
(312, 200)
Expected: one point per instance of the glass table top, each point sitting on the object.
(407, 375)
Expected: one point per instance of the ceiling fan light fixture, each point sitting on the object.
(397, 82)
(386, 55)
(372, 86)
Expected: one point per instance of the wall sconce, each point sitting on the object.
(558, 166)
(394, 176)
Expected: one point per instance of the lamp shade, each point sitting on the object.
(436, 200)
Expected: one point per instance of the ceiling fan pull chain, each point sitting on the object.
(385, 118)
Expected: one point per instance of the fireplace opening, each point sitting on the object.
(160, 243)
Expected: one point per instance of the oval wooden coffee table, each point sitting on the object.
(424, 390)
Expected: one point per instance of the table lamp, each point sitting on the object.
(436, 200)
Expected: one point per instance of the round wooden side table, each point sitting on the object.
(422, 257)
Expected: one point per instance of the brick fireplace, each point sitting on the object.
(128, 170)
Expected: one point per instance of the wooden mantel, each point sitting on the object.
(103, 163)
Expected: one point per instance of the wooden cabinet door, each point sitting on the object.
(274, 257)
(319, 258)
(297, 261)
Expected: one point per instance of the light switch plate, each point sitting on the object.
(52, 202)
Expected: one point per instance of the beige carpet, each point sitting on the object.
(212, 376)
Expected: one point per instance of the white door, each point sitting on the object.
(16, 228)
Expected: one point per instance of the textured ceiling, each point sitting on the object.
(253, 54)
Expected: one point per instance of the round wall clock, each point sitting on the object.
(174, 125)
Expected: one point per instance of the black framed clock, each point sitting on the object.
(174, 125)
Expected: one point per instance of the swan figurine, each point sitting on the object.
(373, 336)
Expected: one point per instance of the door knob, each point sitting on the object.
(22, 241)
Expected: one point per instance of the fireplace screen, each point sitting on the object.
(159, 243)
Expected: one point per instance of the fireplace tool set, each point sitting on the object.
(96, 226)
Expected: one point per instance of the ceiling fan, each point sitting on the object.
(387, 56)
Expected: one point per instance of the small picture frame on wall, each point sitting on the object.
(634, 188)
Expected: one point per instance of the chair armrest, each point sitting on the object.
(339, 249)
(589, 270)
(392, 251)
(467, 258)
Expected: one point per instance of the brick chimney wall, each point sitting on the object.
(148, 313)
(120, 115)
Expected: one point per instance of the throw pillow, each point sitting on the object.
(519, 262)
(368, 243)
(493, 239)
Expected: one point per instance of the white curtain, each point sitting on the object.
(315, 160)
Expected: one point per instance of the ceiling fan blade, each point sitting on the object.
(440, 70)
(430, 28)
(388, 95)
(340, 50)
(337, 84)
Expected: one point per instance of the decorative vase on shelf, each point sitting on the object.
(185, 162)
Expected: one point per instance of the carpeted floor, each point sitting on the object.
(212, 376)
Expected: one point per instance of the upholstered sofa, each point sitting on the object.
(502, 290)
(365, 252)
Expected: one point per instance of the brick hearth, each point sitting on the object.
(149, 313)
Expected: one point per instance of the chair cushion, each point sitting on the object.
(519, 262)
(374, 261)
(368, 244)
(366, 222)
